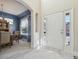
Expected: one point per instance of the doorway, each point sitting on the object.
(32, 21)
(55, 31)
(59, 31)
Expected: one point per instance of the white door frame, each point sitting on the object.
(32, 21)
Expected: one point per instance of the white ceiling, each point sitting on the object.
(12, 7)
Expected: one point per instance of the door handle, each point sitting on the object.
(61, 32)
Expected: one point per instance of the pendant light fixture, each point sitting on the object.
(2, 11)
(2, 5)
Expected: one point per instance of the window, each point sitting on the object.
(67, 28)
(1, 18)
(9, 20)
(11, 27)
(24, 26)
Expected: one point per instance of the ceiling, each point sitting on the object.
(12, 7)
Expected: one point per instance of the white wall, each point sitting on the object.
(51, 6)
(34, 4)
(76, 25)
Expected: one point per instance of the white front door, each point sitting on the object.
(54, 37)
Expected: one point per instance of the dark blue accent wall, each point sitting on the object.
(21, 16)
(15, 19)
(29, 29)
(7, 15)
(24, 14)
